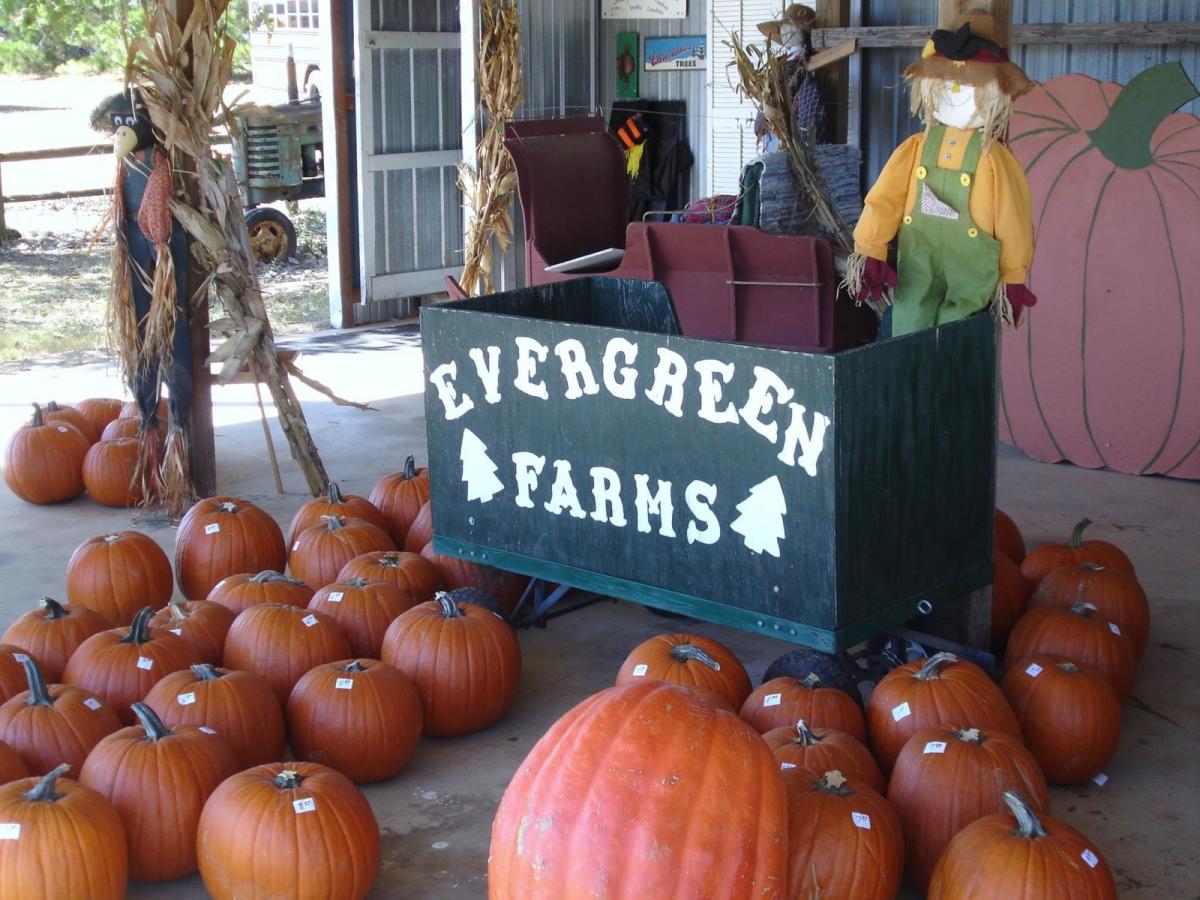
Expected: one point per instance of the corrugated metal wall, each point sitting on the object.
(885, 117)
(558, 40)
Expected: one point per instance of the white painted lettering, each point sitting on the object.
(657, 504)
(442, 378)
(809, 443)
(759, 401)
(699, 497)
(625, 388)
(669, 375)
(528, 467)
(489, 371)
(562, 493)
(529, 354)
(710, 390)
(606, 494)
(575, 369)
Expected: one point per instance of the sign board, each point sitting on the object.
(643, 9)
(668, 54)
(698, 475)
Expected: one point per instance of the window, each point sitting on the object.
(291, 14)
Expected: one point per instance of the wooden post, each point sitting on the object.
(1001, 11)
(834, 79)
(339, 106)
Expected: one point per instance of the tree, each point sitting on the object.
(761, 519)
(478, 470)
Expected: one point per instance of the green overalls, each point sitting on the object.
(947, 265)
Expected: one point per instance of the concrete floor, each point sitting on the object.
(436, 815)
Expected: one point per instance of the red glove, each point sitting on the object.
(1019, 297)
(876, 276)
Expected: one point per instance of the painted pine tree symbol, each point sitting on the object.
(478, 470)
(761, 519)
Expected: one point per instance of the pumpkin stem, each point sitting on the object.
(450, 609)
(355, 666)
(288, 779)
(388, 561)
(149, 720)
(54, 609)
(271, 575)
(804, 734)
(206, 672)
(38, 420)
(43, 791)
(1124, 135)
(227, 506)
(1028, 825)
(970, 735)
(1067, 666)
(929, 670)
(811, 680)
(38, 695)
(833, 782)
(1082, 608)
(178, 614)
(1076, 540)
(410, 468)
(684, 652)
(357, 581)
(335, 493)
(333, 523)
(111, 538)
(139, 628)
(1092, 567)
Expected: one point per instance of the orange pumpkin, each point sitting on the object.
(48, 814)
(52, 724)
(1048, 557)
(942, 689)
(645, 775)
(464, 660)
(800, 747)
(1115, 595)
(321, 551)
(1017, 854)
(53, 632)
(688, 659)
(69, 415)
(1008, 537)
(129, 410)
(400, 496)
(240, 592)
(100, 411)
(12, 672)
(281, 643)
(334, 503)
(361, 717)
(12, 766)
(1070, 716)
(43, 462)
(131, 427)
(293, 829)
(202, 624)
(363, 610)
(410, 572)
(948, 776)
(117, 574)
(121, 664)
(224, 536)
(782, 701)
(420, 532)
(844, 839)
(1010, 596)
(1080, 635)
(506, 587)
(108, 472)
(158, 778)
(239, 706)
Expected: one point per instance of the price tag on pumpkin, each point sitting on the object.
(21, 657)
(309, 620)
(186, 699)
(787, 765)
(1100, 779)
(1033, 670)
(1089, 857)
(336, 597)
(10, 831)
(935, 747)
(1114, 627)
(212, 528)
(306, 804)
(344, 684)
(177, 631)
(208, 730)
(861, 820)
(92, 703)
(295, 546)
(62, 428)
(640, 670)
(145, 662)
(772, 699)
(901, 712)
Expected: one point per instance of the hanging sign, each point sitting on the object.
(643, 9)
(671, 53)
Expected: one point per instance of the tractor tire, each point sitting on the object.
(272, 234)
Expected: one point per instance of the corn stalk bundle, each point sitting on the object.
(184, 109)
(763, 79)
(488, 188)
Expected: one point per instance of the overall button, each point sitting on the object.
(922, 171)
(947, 156)
(908, 220)
(972, 232)
(953, 141)
(965, 179)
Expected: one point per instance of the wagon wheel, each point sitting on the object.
(272, 234)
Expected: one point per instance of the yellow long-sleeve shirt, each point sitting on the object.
(1000, 202)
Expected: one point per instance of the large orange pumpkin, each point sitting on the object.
(361, 717)
(117, 574)
(1115, 595)
(844, 839)
(12, 673)
(1070, 716)
(52, 724)
(321, 551)
(1080, 635)
(506, 587)
(224, 536)
(689, 660)
(783, 701)
(400, 496)
(1008, 537)
(201, 623)
(43, 462)
(644, 775)
(1106, 375)
(464, 660)
(297, 829)
(239, 706)
(100, 411)
(12, 766)
(363, 610)
(44, 816)
(334, 503)
(240, 592)
(936, 691)
(1017, 854)
(121, 664)
(69, 415)
(281, 643)
(158, 778)
(108, 472)
(1010, 597)
(131, 427)
(53, 632)
(420, 532)
(800, 747)
(947, 777)
(1045, 559)
(409, 571)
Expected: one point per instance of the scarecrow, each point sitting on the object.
(792, 31)
(954, 194)
(148, 310)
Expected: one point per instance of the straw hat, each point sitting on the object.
(797, 15)
(969, 52)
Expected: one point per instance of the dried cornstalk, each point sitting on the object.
(763, 79)
(207, 202)
(488, 188)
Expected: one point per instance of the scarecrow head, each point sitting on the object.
(124, 117)
(964, 77)
(790, 29)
